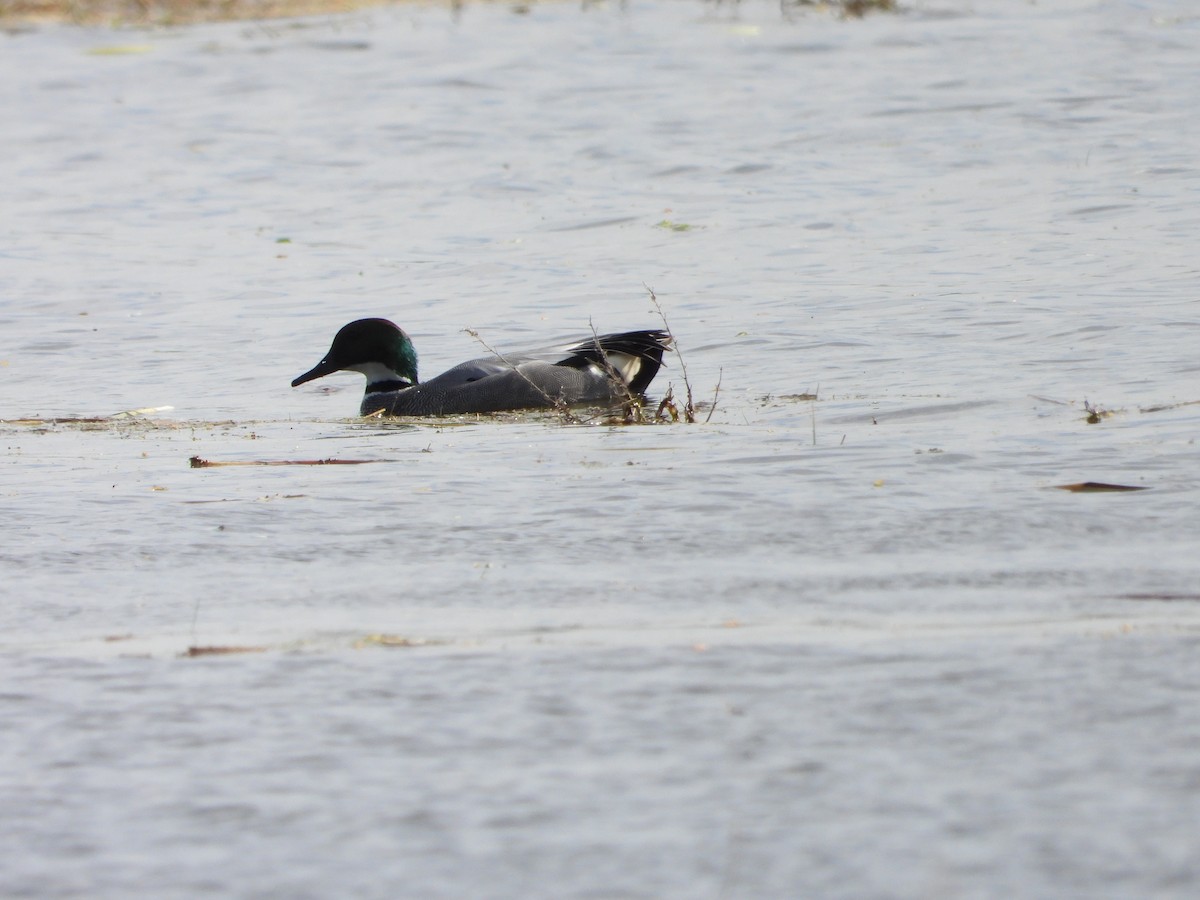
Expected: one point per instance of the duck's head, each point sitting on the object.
(374, 347)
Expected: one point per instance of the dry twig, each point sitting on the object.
(556, 403)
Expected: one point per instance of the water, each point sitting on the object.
(857, 646)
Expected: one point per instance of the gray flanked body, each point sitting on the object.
(488, 385)
(595, 371)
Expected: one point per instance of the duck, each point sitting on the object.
(598, 370)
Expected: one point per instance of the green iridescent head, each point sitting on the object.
(375, 347)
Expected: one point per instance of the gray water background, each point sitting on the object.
(850, 647)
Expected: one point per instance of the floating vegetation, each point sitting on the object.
(132, 419)
(1161, 597)
(394, 640)
(221, 650)
(169, 12)
(851, 9)
(198, 463)
(182, 12)
(1095, 414)
(859, 8)
(39, 422)
(1166, 406)
(120, 50)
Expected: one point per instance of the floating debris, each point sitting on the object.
(132, 418)
(198, 463)
(1161, 597)
(120, 50)
(1095, 414)
(143, 411)
(220, 650)
(1160, 408)
(1097, 487)
(393, 640)
(150, 13)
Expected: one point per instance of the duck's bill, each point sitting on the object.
(320, 370)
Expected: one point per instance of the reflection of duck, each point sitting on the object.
(598, 370)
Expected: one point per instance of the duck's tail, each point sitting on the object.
(634, 356)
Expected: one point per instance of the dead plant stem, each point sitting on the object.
(556, 403)
(689, 409)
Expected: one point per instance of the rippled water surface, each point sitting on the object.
(850, 646)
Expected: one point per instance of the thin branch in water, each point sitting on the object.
(556, 403)
(689, 409)
(716, 393)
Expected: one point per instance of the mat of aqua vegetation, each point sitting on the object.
(127, 12)
(174, 12)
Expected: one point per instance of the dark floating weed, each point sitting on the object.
(1097, 487)
(131, 419)
(181, 12)
(1161, 597)
(1166, 406)
(850, 9)
(198, 463)
(221, 651)
(143, 13)
(859, 8)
